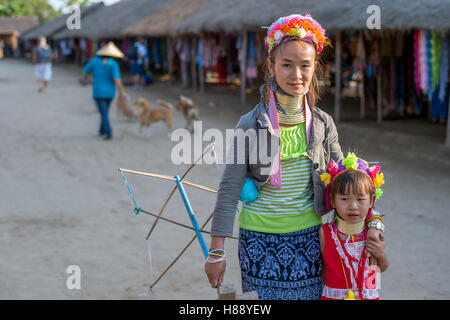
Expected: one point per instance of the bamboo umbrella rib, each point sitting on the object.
(181, 253)
(209, 147)
(159, 176)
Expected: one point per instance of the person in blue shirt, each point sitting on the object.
(137, 55)
(106, 78)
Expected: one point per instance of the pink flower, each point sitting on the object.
(332, 167)
(374, 170)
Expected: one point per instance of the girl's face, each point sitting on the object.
(293, 66)
(351, 207)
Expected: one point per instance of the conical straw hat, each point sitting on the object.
(110, 50)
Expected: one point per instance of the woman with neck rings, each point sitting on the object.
(279, 249)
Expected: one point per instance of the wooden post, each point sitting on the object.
(244, 67)
(362, 101)
(194, 63)
(379, 96)
(361, 86)
(201, 75)
(337, 76)
(201, 79)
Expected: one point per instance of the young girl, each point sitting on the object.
(352, 188)
(279, 250)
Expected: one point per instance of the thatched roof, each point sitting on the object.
(51, 27)
(394, 14)
(236, 15)
(17, 25)
(165, 21)
(110, 21)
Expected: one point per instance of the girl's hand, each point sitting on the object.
(215, 272)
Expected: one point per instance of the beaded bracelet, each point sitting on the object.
(216, 253)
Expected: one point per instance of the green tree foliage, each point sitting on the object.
(80, 3)
(18, 8)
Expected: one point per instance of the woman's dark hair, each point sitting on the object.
(351, 181)
(313, 94)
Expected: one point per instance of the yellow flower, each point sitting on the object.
(325, 177)
(270, 41)
(292, 32)
(378, 180)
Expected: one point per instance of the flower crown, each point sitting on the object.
(352, 162)
(299, 26)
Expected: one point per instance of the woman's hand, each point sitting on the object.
(374, 234)
(376, 247)
(215, 272)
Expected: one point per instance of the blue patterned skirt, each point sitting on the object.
(285, 266)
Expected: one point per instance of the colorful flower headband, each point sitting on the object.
(352, 162)
(299, 26)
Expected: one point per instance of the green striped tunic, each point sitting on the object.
(290, 208)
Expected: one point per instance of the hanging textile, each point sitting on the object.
(436, 43)
(208, 51)
(399, 88)
(199, 52)
(439, 104)
(163, 52)
(423, 64)
(429, 91)
(416, 62)
(251, 70)
(443, 81)
(386, 67)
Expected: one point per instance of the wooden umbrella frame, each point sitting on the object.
(179, 182)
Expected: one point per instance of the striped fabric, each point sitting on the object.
(293, 142)
(290, 208)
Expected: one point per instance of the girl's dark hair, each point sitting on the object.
(313, 94)
(351, 181)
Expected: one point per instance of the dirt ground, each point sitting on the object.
(64, 202)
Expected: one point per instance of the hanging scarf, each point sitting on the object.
(416, 62)
(423, 62)
(429, 90)
(444, 68)
(272, 108)
(435, 59)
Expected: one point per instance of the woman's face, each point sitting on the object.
(293, 66)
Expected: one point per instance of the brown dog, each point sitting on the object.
(149, 115)
(190, 111)
(124, 108)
